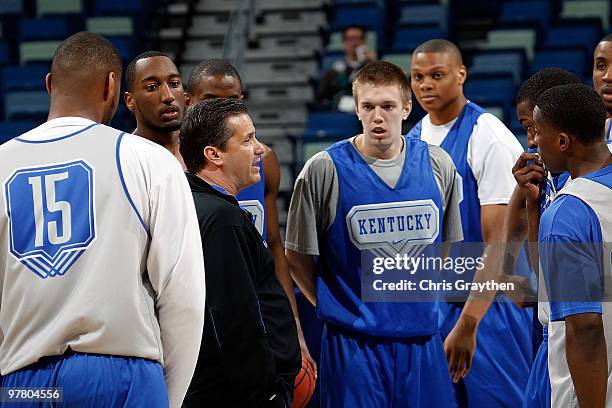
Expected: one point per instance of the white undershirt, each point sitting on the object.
(491, 153)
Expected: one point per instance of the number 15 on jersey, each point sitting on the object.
(51, 215)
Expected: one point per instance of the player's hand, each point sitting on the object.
(522, 295)
(460, 346)
(305, 353)
(529, 174)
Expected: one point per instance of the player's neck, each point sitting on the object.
(448, 112)
(379, 152)
(70, 109)
(217, 178)
(170, 141)
(589, 160)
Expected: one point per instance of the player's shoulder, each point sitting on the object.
(319, 163)
(146, 150)
(568, 216)
(440, 157)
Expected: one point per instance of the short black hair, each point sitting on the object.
(543, 80)
(84, 55)
(206, 124)
(439, 45)
(357, 26)
(575, 109)
(211, 67)
(130, 71)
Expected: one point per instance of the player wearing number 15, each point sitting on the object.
(99, 289)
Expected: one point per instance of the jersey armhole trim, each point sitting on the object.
(57, 138)
(127, 194)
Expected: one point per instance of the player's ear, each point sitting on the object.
(187, 99)
(211, 154)
(110, 86)
(48, 83)
(462, 74)
(564, 141)
(129, 100)
(406, 110)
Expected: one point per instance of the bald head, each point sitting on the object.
(440, 46)
(83, 59)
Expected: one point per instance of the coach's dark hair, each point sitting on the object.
(381, 73)
(206, 124)
(357, 26)
(574, 109)
(211, 67)
(439, 45)
(84, 56)
(543, 80)
(130, 71)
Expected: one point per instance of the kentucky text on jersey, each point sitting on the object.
(400, 222)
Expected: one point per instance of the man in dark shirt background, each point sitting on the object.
(337, 81)
(250, 353)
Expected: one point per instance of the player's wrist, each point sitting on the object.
(468, 322)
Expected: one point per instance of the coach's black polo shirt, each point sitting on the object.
(249, 349)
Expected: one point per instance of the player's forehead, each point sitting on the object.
(430, 61)
(219, 86)
(603, 51)
(157, 67)
(371, 93)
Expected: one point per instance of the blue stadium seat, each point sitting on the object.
(28, 105)
(4, 53)
(24, 78)
(331, 124)
(407, 39)
(491, 90)
(526, 11)
(124, 46)
(11, 7)
(424, 14)
(571, 59)
(574, 35)
(43, 29)
(500, 62)
(117, 7)
(370, 17)
(9, 130)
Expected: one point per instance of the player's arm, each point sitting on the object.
(303, 272)
(585, 346)
(176, 270)
(271, 170)
(311, 211)
(460, 344)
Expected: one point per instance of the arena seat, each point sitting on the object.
(29, 105)
(512, 38)
(587, 8)
(113, 26)
(514, 12)
(12, 129)
(407, 39)
(574, 34)
(402, 60)
(47, 7)
(571, 59)
(27, 78)
(31, 29)
(500, 62)
(37, 51)
(331, 124)
(412, 15)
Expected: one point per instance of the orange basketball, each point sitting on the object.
(304, 386)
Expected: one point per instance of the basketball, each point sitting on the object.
(305, 383)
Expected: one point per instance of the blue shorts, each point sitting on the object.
(537, 394)
(503, 357)
(94, 380)
(362, 371)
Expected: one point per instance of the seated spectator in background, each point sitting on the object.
(338, 80)
(249, 354)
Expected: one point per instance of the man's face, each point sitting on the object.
(217, 86)
(602, 73)
(381, 111)
(524, 111)
(547, 140)
(353, 38)
(437, 80)
(157, 97)
(242, 153)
